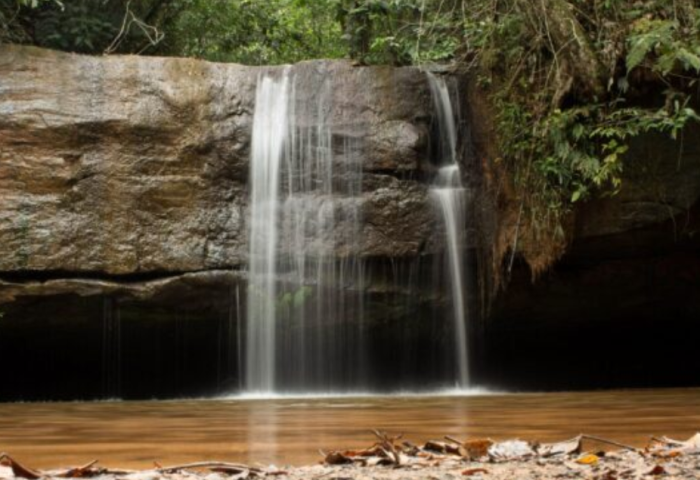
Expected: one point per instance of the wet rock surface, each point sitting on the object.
(196, 289)
(661, 183)
(131, 165)
(625, 294)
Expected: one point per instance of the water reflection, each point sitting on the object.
(263, 425)
(284, 431)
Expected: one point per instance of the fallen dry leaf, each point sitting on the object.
(670, 448)
(510, 450)
(18, 469)
(609, 475)
(337, 458)
(445, 448)
(588, 460)
(657, 470)
(567, 447)
(477, 448)
(474, 471)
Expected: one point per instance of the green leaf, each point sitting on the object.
(301, 295)
(286, 300)
(640, 48)
(576, 196)
(689, 59)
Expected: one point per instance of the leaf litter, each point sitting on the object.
(391, 457)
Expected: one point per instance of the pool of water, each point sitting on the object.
(292, 430)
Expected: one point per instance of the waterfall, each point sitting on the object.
(305, 279)
(307, 329)
(269, 136)
(448, 196)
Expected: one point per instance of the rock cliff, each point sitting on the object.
(124, 194)
(136, 168)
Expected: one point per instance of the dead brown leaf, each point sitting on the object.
(657, 470)
(337, 458)
(567, 447)
(87, 470)
(474, 471)
(439, 447)
(589, 459)
(669, 448)
(478, 448)
(18, 469)
(609, 475)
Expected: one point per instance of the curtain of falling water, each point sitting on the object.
(269, 135)
(304, 319)
(448, 196)
(320, 307)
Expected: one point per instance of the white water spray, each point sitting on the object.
(269, 135)
(306, 330)
(305, 275)
(448, 195)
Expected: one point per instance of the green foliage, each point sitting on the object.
(254, 32)
(561, 143)
(664, 46)
(372, 29)
(83, 26)
(579, 152)
(400, 32)
(76, 27)
(565, 131)
(36, 3)
(294, 300)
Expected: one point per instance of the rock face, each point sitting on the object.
(124, 195)
(135, 165)
(124, 207)
(621, 307)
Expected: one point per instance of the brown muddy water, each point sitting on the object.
(291, 431)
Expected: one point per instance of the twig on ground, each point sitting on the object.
(18, 469)
(77, 471)
(387, 443)
(454, 440)
(609, 442)
(209, 465)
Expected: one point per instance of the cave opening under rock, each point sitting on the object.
(188, 340)
(618, 311)
(594, 321)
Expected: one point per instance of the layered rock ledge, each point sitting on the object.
(127, 165)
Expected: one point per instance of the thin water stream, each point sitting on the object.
(448, 194)
(304, 319)
(291, 431)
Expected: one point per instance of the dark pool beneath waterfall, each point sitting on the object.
(291, 431)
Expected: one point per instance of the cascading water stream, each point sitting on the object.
(269, 134)
(304, 275)
(307, 329)
(448, 195)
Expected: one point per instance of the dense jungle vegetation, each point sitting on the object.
(572, 81)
